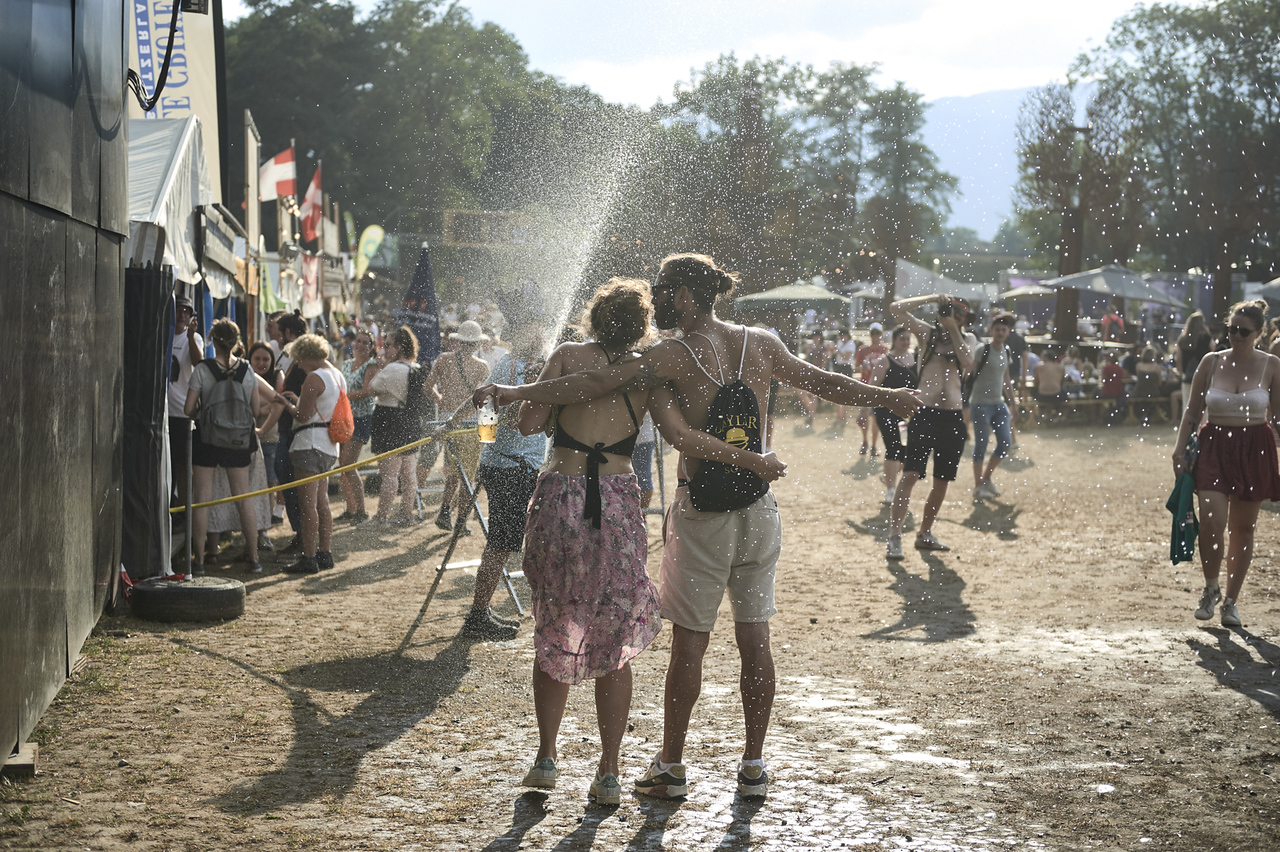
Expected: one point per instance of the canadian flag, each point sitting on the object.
(312, 209)
(278, 176)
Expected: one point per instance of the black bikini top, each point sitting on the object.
(596, 454)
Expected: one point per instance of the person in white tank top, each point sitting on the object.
(1237, 464)
(312, 451)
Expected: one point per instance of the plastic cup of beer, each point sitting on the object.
(487, 423)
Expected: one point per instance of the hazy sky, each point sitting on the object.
(634, 51)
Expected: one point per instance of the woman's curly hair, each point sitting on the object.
(620, 314)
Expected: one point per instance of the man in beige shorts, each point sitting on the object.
(453, 378)
(709, 552)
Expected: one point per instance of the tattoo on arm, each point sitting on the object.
(646, 376)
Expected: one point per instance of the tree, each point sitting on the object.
(1201, 86)
(911, 194)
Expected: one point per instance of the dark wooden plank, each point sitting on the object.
(52, 97)
(13, 643)
(15, 97)
(113, 187)
(86, 154)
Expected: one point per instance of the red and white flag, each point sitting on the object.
(278, 176)
(312, 209)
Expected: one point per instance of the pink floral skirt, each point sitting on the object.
(594, 606)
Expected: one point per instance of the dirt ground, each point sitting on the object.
(1043, 685)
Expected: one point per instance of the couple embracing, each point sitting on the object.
(586, 544)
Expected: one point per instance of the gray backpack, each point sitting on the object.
(226, 416)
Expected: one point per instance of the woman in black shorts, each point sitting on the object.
(896, 369)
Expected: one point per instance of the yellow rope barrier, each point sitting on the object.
(337, 470)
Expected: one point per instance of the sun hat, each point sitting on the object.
(469, 332)
(875, 326)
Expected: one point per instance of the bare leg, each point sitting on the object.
(307, 513)
(451, 482)
(613, 706)
(756, 682)
(1241, 520)
(487, 577)
(992, 464)
(324, 530)
(684, 685)
(646, 499)
(352, 486)
(1213, 526)
(932, 504)
(902, 501)
(389, 473)
(549, 697)
(891, 471)
(409, 492)
(238, 479)
(978, 478)
(202, 492)
(875, 432)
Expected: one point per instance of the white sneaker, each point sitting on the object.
(894, 548)
(991, 488)
(979, 494)
(1230, 615)
(888, 495)
(1208, 600)
(927, 541)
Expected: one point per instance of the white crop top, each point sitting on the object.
(1237, 409)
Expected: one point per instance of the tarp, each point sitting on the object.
(911, 280)
(1114, 281)
(792, 296)
(168, 180)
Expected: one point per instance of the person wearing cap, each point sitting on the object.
(938, 428)
(865, 363)
(992, 388)
(187, 351)
(453, 378)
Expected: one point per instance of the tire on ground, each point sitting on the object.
(197, 599)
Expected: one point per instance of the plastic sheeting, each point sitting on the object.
(168, 180)
(148, 311)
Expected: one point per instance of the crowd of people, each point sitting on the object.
(567, 475)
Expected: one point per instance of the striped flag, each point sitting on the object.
(312, 209)
(278, 176)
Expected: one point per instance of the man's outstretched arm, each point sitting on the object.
(651, 369)
(839, 389)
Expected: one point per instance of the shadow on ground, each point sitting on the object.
(934, 603)
(1231, 662)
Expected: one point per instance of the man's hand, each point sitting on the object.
(501, 394)
(769, 467)
(903, 402)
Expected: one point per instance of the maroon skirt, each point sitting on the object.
(1240, 461)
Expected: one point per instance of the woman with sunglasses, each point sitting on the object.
(1237, 465)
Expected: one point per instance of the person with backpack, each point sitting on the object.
(396, 422)
(723, 531)
(222, 399)
(991, 385)
(315, 448)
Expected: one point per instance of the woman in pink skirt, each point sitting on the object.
(586, 543)
(1237, 466)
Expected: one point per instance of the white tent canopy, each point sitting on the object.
(911, 280)
(168, 180)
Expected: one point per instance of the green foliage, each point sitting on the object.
(1181, 167)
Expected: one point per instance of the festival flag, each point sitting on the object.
(421, 310)
(278, 176)
(370, 242)
(312, 209)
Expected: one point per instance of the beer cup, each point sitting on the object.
(487, 423)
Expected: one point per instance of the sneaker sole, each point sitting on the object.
(539, 783)
(1205, 617)
(610, 798)
(664, 791)
(940, 548)
(754, 791)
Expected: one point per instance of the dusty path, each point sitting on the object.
(1041, 686)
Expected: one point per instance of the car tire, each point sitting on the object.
(195, 600)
